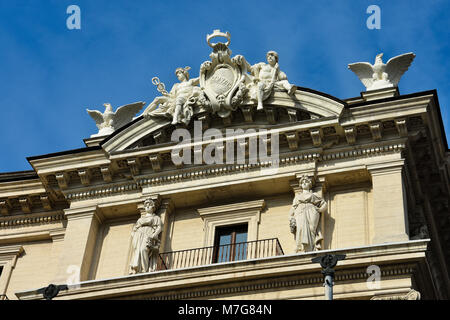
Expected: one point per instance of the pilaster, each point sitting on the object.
(79, 242)
(389, 202)
(8, 259)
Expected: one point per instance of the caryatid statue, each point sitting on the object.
(146, 240)
(267, 77)
(304, 217)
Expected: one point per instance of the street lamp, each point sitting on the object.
(328, 262)
(51, 291)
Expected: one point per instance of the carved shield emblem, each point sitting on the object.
(220, 77)
(221, 80)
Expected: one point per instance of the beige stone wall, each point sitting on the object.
(275, 222)
(348, 220)
(185, 230)
(34, 268)
(112, 254)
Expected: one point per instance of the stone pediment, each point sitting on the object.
(281, 109)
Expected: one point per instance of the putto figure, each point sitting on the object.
(267, 77)
(304, 217)
(381, 75)
(145, 240)
(178, 103)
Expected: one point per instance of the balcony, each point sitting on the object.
(216, 254)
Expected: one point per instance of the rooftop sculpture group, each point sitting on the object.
(226, 82)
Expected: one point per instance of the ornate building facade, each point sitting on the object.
(267, 176)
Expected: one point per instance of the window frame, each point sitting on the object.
(232, 230)
(231, 214)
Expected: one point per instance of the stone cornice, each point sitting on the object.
(205, 171)
(13, 250)
(32, 236)
(21, 188)
(393, 258)
(381, 111)
(92, 158)
(322, 133)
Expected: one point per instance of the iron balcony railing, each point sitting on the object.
(216, 254)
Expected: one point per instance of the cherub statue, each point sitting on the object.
(266, 78)
(179, 102)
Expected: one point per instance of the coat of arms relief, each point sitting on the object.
(224, 84)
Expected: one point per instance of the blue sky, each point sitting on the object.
(49, 74)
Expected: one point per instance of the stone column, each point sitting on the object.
(79, 242)
(389, 203)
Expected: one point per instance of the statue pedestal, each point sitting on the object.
(380, 93)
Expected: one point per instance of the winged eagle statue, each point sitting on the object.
(381, 75)
(109, 121)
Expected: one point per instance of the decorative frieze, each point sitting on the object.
(364, 151)
(102, 191)
(234, 168)
(21, 220)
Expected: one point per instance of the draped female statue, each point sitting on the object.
(304, 217)
(145, 240)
